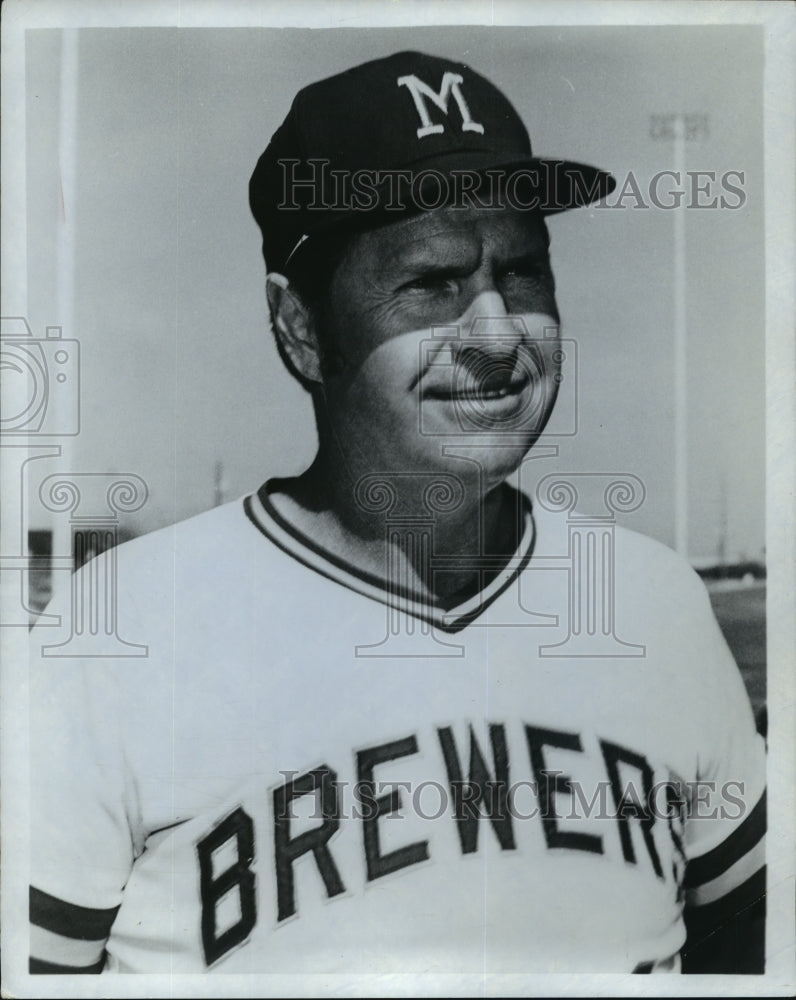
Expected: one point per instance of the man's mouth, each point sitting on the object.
(464, 385)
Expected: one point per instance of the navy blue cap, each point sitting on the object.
(409, 132)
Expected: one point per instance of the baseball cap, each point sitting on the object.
(405, 133)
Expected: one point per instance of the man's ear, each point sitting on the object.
(293, 328)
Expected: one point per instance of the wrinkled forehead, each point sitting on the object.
(452, 232)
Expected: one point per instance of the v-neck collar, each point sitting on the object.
(261, 512)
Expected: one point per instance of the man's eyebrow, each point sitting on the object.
(447, 258)
(535, 255)
(440, 252)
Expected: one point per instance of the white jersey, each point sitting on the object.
(305, 773)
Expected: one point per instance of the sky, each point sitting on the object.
(179, 376)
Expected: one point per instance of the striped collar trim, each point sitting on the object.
(261, 512)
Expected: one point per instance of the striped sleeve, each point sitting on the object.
(84, 813)
(725, 877)
(731, 865)
(726, 902)
(65, 938)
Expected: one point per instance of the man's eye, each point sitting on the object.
(432, 283)
(530, 270)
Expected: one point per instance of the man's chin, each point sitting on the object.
(486, 459)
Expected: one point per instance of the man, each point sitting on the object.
(362, 740)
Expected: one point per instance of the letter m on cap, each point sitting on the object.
(451, 84)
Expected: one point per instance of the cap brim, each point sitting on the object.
(575, 185)
(476, 178)
(543, 183)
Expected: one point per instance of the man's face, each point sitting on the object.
(446, 325)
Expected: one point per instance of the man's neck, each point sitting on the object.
(390, 525)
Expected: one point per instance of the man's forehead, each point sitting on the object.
(452, 230)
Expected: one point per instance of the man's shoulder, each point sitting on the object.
(197, 559)
(641, 556)
(219, 541)
(636, 563)
(620, 582)
(219, 526)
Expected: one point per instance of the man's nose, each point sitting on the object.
(488, 323)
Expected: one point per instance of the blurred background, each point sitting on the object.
(141, 247)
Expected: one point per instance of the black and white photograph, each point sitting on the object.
(397, 478)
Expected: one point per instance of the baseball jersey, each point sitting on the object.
(308, 771)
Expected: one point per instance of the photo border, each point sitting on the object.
(778, 22)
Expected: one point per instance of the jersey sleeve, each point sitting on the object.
(725, 830)
(84, 814)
